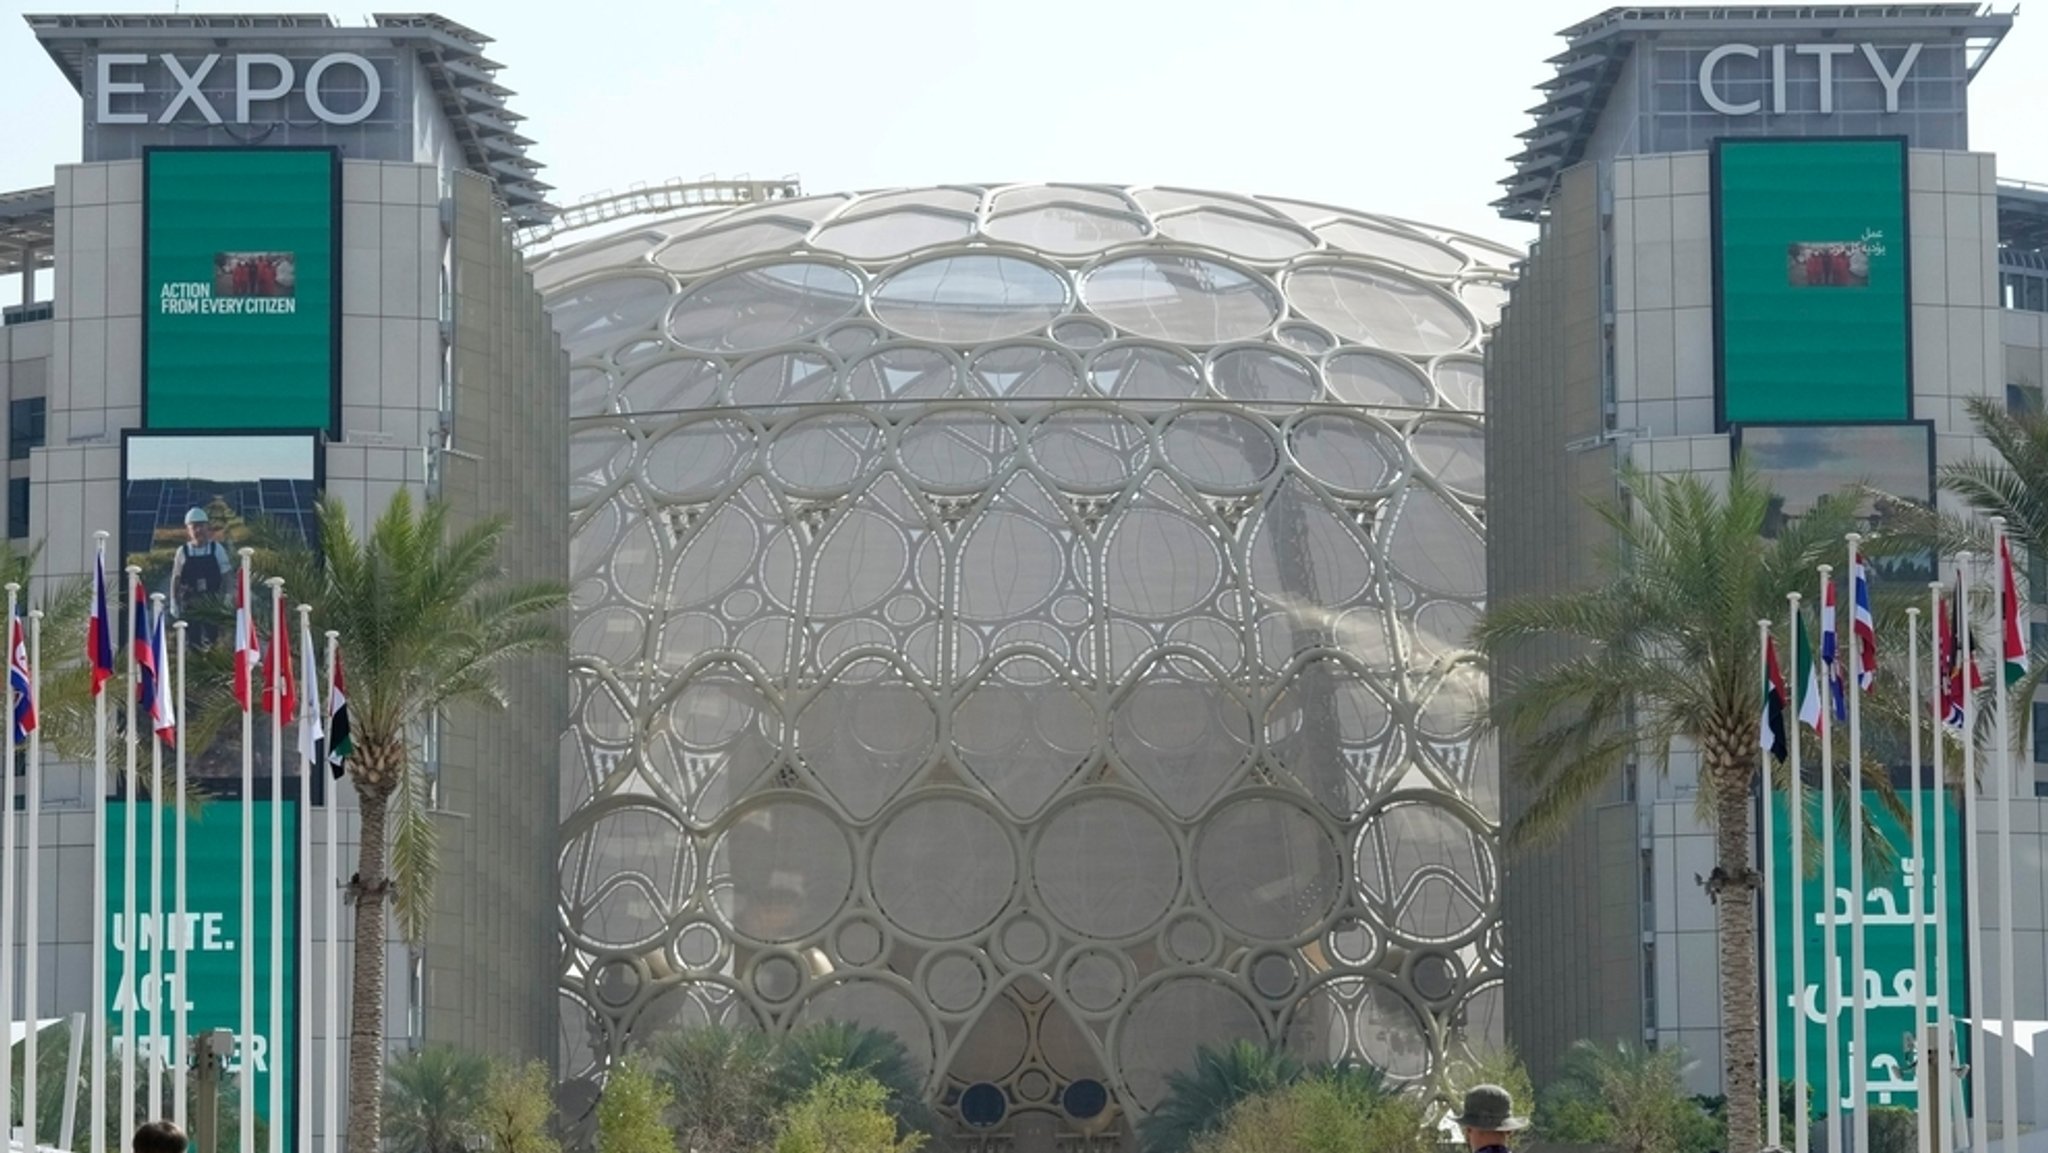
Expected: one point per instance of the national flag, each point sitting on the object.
(1864, 626)
(17, 675)
(163, 718)
(1773, 736)
(99, 630)
(1830, 658)
(2009, 600)
(147, 683)
(278, 696)
(309, 704)
(339, 743)
(248, 648)
(1950, 688)
(1806, 675)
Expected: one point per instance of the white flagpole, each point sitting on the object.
(1802, 1108)
(1832, 982)
(1859, 1080)
(275, 1029)
(246, 1083)
(8, 907)
(32, 902)
(131, 948)
(1773, 1123)
(180, 1039)
(1944, 1041)
(157, 1038)
(2008, 983)
(331, 1090)
(1923, 1069)
(97, 1142)
(1979, 1123)
(309, 766)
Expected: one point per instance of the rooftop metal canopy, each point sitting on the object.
(1597, 48)
(28, 230)
(2022, 216)
(463, 79)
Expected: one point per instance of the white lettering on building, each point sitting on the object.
(1892, 76)
(260, 78)
(196, 298)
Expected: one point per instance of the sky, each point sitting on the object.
(1407, 108)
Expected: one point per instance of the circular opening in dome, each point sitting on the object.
(1185, 299)
(970, 299)
(983, 1105)
(759, 308)
(1085, 1098)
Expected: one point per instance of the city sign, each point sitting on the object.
(259, 78)
(1784, 59)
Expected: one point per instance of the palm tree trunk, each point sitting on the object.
(368, 892)
(1733, 888)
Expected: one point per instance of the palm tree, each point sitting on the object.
(808, 1055)
(1665, 652)
(427, 620)
(722, 1087)
(430, 1098)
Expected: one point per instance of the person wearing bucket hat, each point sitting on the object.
(1488, 1117)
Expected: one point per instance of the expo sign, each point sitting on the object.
(1783, 58)
(259, 77)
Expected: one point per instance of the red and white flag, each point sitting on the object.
(248, 648)
(2015, 660)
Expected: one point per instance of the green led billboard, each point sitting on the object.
(1811, 280)
(1888, 977)
(241, 318)
(212, 934)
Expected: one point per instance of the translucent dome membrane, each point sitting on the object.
(1032, 620)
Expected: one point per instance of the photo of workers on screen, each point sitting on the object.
(201, 574)
(1840, 264)
(255, 274)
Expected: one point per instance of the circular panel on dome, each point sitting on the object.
(1009, 567)
(1380, 309)
(762, 307)
(1095, 980)
(703, 251)
(954, 982)
(1452, 451)
(1027, 370)
(780, 872)
(1268, 868)
(1306, 338)
(1106, 868)
(1393, 245)
(1346, 453)
(1218, 450)
(887, 234)
(1185, 299)
(1370, 378)
(1173, 1020)
(697, 461)
(963, 200)
(1462, 380)
(956, 450)
(1241, 236)
(1159, 564)
(1014, 199)
(851, 340)
(670, 386)
(904, 373)
(1145, 372)
(942, 869)
(878, 1006)
(1066, 229)
(1173, 199)
(970, 299)
(1487, 298)
(1263, 376)
(1091, 450)
(1428, 871)
(1082, 334)
(1435, 548)
(596, 316)
(825, 454)
(1380, 1025)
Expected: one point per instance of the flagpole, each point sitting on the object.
(275, 1029)
(8, 907)
(1938, 876)
(1923, 1069)
(179, 1036)
(1827, 869)
(1859, 1034)
(97, 1142)
(156, 890)
(32, 901)
(246, 1085)
(1979, 1123)
(2008, 984)
(331, 1096)
(309, 742)
(1802, 1108)
(1773, 1123)
(131, 947)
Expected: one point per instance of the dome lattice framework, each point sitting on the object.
(1031, 620)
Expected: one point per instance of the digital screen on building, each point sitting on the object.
(241, 300)
(1811, 281)
(189, 503)
(1887, 902)
(1881, 467)
(212, 935)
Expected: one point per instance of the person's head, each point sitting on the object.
(198, 526)
(1488, 1116)
(158, 1137)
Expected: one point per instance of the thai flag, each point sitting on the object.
(24, 692)
(1865, 627)
(99, 630)
(1830, 658)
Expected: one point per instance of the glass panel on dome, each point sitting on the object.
(1016, 199)
(1066, 229)
(1186, 299)
(1381, 309)
(970, 299)
(1393, 246)
(1239, 235)
(893, 233)
(952, 199)
(706, 250)
(599, 315)
(764, 307)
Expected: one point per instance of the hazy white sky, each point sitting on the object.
(1406, 108)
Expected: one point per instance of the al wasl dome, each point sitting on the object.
(1031, 620)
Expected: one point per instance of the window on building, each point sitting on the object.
(17, 508)
(2037, 638)
(2040, 737)
(25, 421)
(2021, 398)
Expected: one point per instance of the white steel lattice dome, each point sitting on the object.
(1032, 620)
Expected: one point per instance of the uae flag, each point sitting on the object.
(1806, 675)
(339, 745)
(2015, 662)
(1775, 735)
